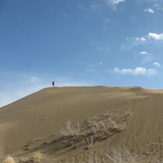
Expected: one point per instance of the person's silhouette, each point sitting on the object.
(53, 83)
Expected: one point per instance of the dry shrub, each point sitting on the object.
(37, 156)
(9, 159)
(115, 156)
(70, 130)
(93, 159)
(111, 156)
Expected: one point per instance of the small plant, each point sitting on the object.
(113, 156)
(37, 156)
(93, 159)
(70, 130)
(90, 141)
(9, 159)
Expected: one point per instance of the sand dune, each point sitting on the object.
(121, 117)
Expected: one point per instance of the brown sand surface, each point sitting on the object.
(33, 123)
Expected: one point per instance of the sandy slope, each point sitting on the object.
(37, 119)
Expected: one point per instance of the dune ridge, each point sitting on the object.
(33, 123)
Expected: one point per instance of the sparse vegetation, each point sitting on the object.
(119, 156)
(110, 156)
(93, 130)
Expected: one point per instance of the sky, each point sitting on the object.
(79, 43)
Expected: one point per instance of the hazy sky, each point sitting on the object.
(79, 42)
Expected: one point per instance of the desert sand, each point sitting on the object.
(84, 124)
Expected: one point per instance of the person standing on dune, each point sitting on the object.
(53, 83)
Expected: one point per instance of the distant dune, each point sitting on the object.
(82, 123)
